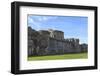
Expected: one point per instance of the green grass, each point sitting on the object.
(56, 57)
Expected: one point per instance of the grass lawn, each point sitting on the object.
(56, 57)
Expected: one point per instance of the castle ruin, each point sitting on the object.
(52, 42)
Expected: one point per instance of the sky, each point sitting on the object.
(72, 26)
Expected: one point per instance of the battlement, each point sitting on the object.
(72, 40)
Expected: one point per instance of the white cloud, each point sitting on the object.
(44, 18)
(34, 23)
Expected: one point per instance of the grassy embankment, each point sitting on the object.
(56, 57)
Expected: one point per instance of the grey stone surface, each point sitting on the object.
(52, 42)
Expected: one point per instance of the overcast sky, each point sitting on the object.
(72, 26)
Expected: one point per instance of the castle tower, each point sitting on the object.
(59, 35)
(56, 34)
(45, 33)
(77, 45)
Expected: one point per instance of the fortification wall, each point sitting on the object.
(50, 42)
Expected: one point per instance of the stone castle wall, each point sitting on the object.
(51, 42)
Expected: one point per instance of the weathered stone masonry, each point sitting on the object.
(51, 42)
